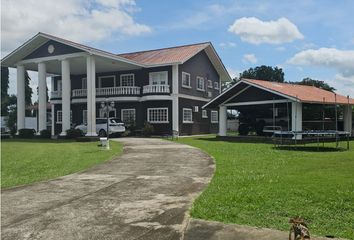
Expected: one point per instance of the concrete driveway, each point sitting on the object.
(143, 194)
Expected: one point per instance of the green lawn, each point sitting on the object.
(257, 185)
(27, 161)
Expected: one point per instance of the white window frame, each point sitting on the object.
(203, 81)
(84, 115)
(204, 113)
(127, 75)
(160, 72)
(191, 114)
(189, 82)
(61, 114)
(127, 109)
(196, 109)
(216, 85)
(210, 83)
(83, 82)
(102, 77)
(212, 118)
(148, 115)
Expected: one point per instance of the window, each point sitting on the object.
(216, 85)
(59, 116)
(200, 83)
(186, 80)
(214, 116)
(106, 81)
(210, 84)
(157, 115)
(158, 78)
(128, 116)
(84, 83)
(59, 86)
(187, 115)
(127, 80)
(196, 108)
(84, 116)
(204, 114)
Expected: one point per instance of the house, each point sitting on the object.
(165, 87)
(287, 106)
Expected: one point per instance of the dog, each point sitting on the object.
(299, 229)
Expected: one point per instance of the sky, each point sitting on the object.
(306, 38)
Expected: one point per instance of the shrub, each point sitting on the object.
(26, 133)
(243, 129)
(259, 126)
(148, 129)
(45, 133)
(74, 133)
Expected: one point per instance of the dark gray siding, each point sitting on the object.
(199, 65)
(59, 49)
(254, 94)
(200, 125)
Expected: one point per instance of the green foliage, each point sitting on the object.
(4, 91)
(26, 133)
(148, 129)
(28, 90)
(263, 72)
(316, 83)
(73, 133)
(33, 160)
(45, 133)
(243, 129)
(12, 113)
(255, 184)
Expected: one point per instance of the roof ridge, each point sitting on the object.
(166, 48)
(287, 83)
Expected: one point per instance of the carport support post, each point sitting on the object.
(66, 94)
(348, 118)
(20, 97)
(296, 118)
(222, 120)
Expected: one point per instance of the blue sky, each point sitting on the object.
(307, 38)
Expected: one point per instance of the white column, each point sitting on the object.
(175, 105)
(53, 122)
(20, 97)
(66, 93)
(91, 96)
(296, 118)
(222, 120)
(348, 118)
(42, 96)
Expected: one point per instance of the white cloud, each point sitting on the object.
(233, 72)
(249, 58)
(227, 45)
(256, 31)
(77, 20)
(341, 60)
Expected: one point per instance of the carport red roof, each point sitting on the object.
(162, 56)
(302, 93)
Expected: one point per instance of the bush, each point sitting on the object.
(148, 129)
(259, 126)
(74, 133)
(26, 133)
(45, 133)
(243, 129)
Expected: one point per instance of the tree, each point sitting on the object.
(28, 90)
(316, 83)
(4, 90)
(263, 72)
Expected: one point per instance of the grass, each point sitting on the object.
(28, 161)
(255, 184)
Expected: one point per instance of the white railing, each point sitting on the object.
(156, 89)
(55, 94)
(108, 91)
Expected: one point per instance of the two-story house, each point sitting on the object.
(165, 87)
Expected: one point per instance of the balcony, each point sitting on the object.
(148, 89)
(55, 94)
(109, 91)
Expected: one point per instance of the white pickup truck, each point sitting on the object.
(115, 127)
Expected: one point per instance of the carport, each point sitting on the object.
(285, 106)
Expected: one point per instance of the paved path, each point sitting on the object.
(143, 194)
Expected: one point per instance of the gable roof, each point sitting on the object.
(151, 58)
(293, 92)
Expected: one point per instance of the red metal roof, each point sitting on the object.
(163, 56)
(303, 93)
